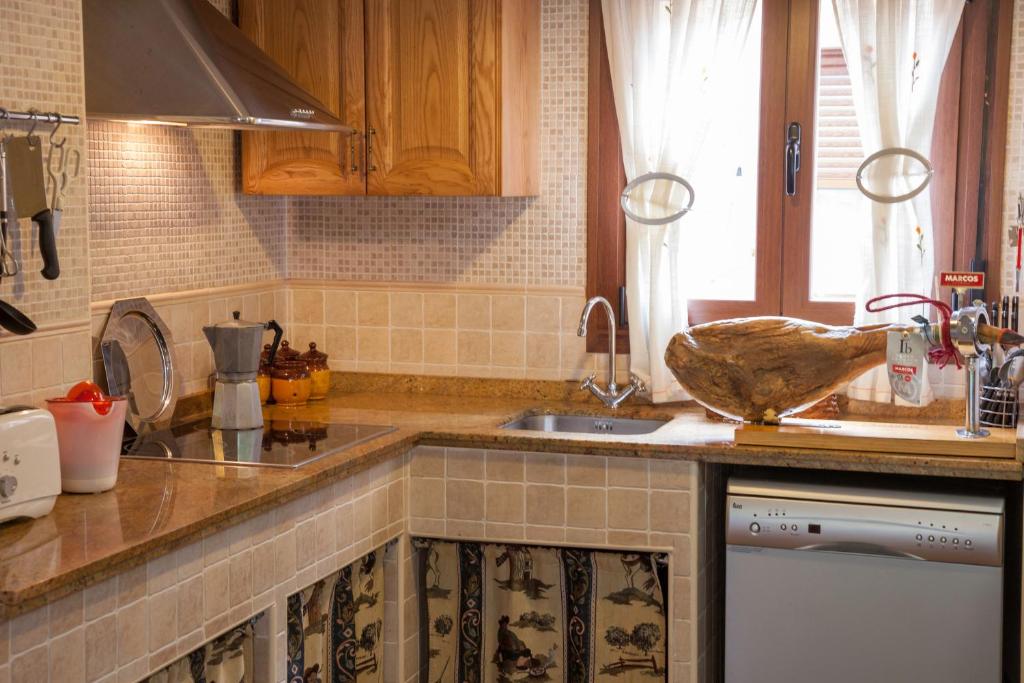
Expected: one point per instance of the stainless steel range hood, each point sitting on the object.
(181, 62)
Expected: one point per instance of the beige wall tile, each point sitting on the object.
(100, 647)
(427, 461)
(341, 343)
(545, 504)
(406, 309)
(627, 472)
(673, 474)
(543, 314)
(585, 470)
(543, 350)
(508, 349)
(474, 348)
(132, 632)
(508, 312)
(504, 502)
(504, 465)
(190, 605)
(465, 463)
(406, 345)
(464, 500)
(670, 511)
(440, 347)
(373, 309)
(545, 468)
(340, 308)
(216, 589)
(585, 507)
(75, 357)
(15, 367)
(163, 619)
(439, 310)
(474, 312)
(47, 370)
(372, 344)
(30, 667)
(627, 509)
(426, 498)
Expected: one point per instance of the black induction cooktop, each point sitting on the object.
(280, 443)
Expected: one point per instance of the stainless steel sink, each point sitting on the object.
(582, 424)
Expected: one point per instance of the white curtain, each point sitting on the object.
(896, 52)
(671, 62)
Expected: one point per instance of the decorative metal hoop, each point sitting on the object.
(895, 151)
(657, 175)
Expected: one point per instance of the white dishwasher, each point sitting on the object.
(854, 585)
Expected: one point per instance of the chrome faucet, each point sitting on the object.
(611, 396)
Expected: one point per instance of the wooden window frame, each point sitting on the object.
(967, 188)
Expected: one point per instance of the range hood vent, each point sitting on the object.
(181, 62)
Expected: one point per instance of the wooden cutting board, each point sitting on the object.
(877, 437)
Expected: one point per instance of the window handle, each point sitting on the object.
(793, 136)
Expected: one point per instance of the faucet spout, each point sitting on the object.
(611, 396)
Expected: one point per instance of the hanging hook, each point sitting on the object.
(64, 139)
(35, 121)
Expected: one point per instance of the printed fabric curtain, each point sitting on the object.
(515, 613)
(226, 659)
(896, 52)
(336, 626)
(670, 61)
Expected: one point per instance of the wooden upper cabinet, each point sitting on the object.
(320, 44)
(445, 95)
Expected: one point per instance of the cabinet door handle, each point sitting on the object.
(352, 137)
(370, 166)
(793, 136)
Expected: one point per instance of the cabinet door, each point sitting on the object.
(320, 44)
(432, 97)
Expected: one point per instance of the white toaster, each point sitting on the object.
(29, 463)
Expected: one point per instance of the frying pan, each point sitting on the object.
(14, 321)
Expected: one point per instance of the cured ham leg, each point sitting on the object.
(760, 369)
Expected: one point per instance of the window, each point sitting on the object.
(773, 254)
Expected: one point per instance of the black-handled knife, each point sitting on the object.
(47, 244)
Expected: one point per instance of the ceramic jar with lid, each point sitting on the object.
(319, 372)
(290, 383)
(263, 381)
(285, 353)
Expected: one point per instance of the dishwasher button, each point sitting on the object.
(755, 527)
(919, 537)
(942, 540)
(968, 542)
(956, 541)
(931, 539)
(793, 527)
(783, 527)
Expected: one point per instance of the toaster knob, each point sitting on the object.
(8, 485)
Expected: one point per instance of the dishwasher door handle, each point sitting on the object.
(858, 548)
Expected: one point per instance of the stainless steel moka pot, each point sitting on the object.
(236, 356)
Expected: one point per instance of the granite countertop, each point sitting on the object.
(158, 506)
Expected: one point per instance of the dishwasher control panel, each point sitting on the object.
(936, 535)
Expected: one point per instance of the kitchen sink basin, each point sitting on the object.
(583, 424)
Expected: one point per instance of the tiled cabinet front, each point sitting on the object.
(572, 500)
(137, 622)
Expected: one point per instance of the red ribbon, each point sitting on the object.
(941, 355)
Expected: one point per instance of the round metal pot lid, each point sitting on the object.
(139, 362)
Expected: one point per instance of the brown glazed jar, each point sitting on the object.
(290, 383)
(263, 380)
(285, 353)
(319, 372)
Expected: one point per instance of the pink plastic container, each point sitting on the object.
(89, 435)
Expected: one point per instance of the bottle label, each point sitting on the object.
(906, 354)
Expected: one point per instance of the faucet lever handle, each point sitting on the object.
(588, 382)
(637, 383)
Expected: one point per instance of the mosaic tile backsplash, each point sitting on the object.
(40, 56)
(165, 213)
